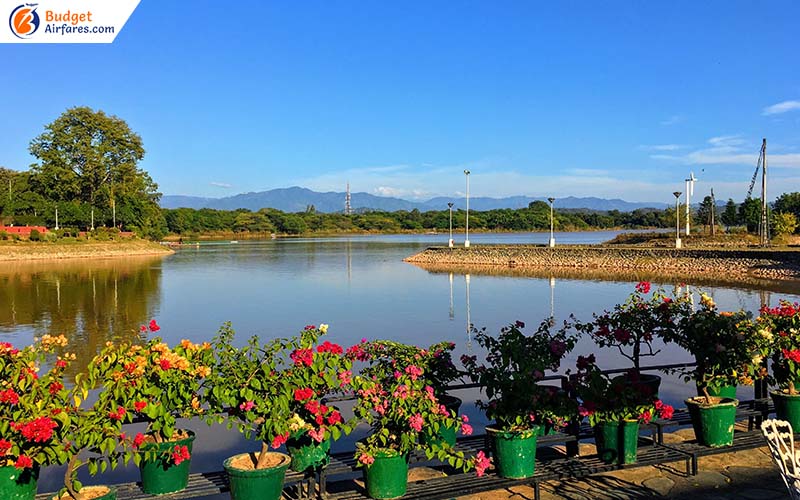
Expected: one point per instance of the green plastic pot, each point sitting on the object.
(445, 435)
(160, 474)
(723, 391)
(617, 442)
(257, 484)
(307, 454)
(387, 476)
(16, 484)
(514, 452)
(787, 407)
(713, 424)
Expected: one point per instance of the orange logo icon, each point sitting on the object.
(24, 21)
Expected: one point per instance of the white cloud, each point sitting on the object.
(727, 141)
(223, 185)
(781, 107)
(662, 147)
(731, 150)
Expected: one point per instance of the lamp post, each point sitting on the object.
(552, 239)
(56, 228)
(677, 219)
(466, 239)
(450, 241)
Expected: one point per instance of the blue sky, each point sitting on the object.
(608, 99)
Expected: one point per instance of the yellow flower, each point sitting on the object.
(764, 332)
(296, 423)
(706, 301)
(203, 371)
(323, 328)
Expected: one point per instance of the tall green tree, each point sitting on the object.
(730, 217)
(705, 212)
(788, 203)
(92, 158)
(750, 213)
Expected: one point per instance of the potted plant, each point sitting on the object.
(314, 372)
(34, 415)
(514, 362)
(248, 389)
(633, 325)
(615, 409)
(159, 384)
(779, 330)
(725, 347)
(398, 408)
(386, 357)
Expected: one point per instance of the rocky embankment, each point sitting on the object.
(20, 251)
(763, 263)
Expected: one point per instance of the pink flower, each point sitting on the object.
(23, 462)
(279, 440)
(366, 459)
(247, 406)
(664, 411)
(179, 454)
(302, 357)
(464, 418)
(303, 394)
(317, 435)
(466, 429)
(646, 416)
(345, 377)
(138, 440)
(413, 371)
(643, 287)
(415, 422)
(154, 326)
(481, 463)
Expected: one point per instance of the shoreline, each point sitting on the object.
(20, 252)
(772, 264)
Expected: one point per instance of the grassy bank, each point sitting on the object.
(24, 250)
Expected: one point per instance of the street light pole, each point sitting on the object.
(450, 241)
(552, 239)
(56, 218)
(466, 240)
(677, 219)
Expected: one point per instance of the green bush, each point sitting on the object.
(35, 235)
(3, 235)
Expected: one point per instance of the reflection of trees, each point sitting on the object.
(91, 302)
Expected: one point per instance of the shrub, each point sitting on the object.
(3, 235)
(35, 235)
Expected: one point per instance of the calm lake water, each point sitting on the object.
(358, 285)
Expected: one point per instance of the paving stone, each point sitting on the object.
(422, 473)
(674, 438)
(660, 485)
(687, 434)
(636, 476)
(709, 479)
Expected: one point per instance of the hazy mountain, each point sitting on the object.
(296, 199)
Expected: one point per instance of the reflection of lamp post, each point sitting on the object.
(466, 240)
(677, 220)
(552, 240)
(452, 314)
(469, 325)
(552, 301)
(450, 241)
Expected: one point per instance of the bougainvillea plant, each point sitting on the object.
(276, 390)
(154, 382)
(778, 329)
(514, 363)
(387, 357)
(35, 408)
(633, 326)
(724, 344)
(606, 399)
(398, 407)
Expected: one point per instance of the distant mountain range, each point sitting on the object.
(297, 199)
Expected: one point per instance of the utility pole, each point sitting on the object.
(763, 227)
(713, 214)
(56, 218)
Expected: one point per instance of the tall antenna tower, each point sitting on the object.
(348, 209)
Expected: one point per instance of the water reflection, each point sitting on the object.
(91, 302)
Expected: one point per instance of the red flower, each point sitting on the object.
(328, 347)
(4, 447)
(664, 411)
(61, 364)
(142, 328)
(118, 414)
(9, 396)
(138, 440)
(38, 430)
(279, 440)
(643, 287)
(139, 406)
(312, 406)
(165, 364)
(303, 394)
(55, 387)
(247, 405)
(334, 418)
(179, 454)
(646, 416)
(793, 355)
(154, 326)
(481, 463)
(302, 357)
(23, 462)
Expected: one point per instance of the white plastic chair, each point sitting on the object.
(780, 439)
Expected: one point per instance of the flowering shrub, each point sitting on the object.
(276, 390)
(633, 326)
(35, 408)
(514, 362)
(436, 363)
(778, 330)
(724, 345)
(606, 399)
(152, 381)
(398, 407)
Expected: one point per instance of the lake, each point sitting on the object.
(359, 285)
